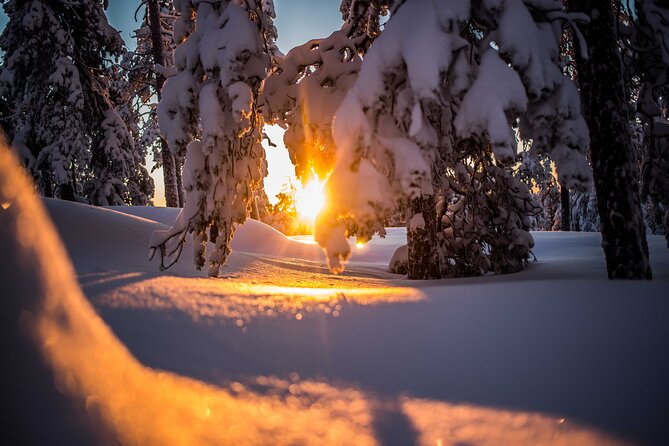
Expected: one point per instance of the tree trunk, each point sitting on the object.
(565, 211)
(47, 186)
(169, 167)
(254, 209)
(178, 165)
(616, 177)
(422, 244)
(169, 173)
(67, 192)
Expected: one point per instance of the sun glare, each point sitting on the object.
(309, 199)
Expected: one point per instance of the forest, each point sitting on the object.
(497, 118)
(468, 246)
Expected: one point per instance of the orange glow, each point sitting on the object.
(124, 402)
(245, 302)
(309, 199)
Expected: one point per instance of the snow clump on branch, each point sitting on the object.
(222, 59)
(430, 108)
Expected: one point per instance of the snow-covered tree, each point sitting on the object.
(310, 82)
(125, 103)
(615, 172)
(647, 40)
(584, 215)
(430, 119)
(55, 80)
(536, 171)
(144, 70)
(283, 215)
(224, 55)
(44, 123)
(159, 24)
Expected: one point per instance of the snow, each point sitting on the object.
(398, 262)
(426, 105)
(281, 351)
(206, 111)
(496, 90)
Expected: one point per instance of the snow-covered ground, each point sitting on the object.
(279, 351)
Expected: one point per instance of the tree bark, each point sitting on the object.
(47, 186)
(422, 244)
(178, 166)
(565, 211)
(169, 174)
(616, 177)
(169, 166)
(67, 192)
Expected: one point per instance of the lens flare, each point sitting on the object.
(310, 199)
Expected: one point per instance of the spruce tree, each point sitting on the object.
(647, 40)
(144, 70)
(141, 189)
(224, 56)
(615, 173)
(157, 31)
(430, 119)
(61, 120)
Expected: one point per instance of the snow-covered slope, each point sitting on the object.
(117, 238)
(556, 354)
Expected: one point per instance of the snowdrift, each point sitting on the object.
(281, 352)
(117, 238)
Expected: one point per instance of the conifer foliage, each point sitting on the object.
(431, 118)
(427, 116)
(310, 82)
(648, 38)
(224, 55)
(60, 119)
(613, 161)
(143, 70)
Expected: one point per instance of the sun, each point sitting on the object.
(310, 199)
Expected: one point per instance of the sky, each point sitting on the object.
(297, 21)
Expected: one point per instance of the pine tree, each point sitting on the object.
(430, 119)
(221, 64)
(158, 31)
(144, 71)
(647, 39)
(310, 82)
(307, 86)
(283, 214)
(536, 171)
(140, 190)
(584, 214)
(61, 120)
(44, 123)
(615, 174)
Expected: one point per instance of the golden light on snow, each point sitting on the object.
(359, 245)
(245, 302)
(123, 402)
(310, 199)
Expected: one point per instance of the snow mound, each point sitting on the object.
(117, 238)
(280, 351)
(71, 378)
(163, 215)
